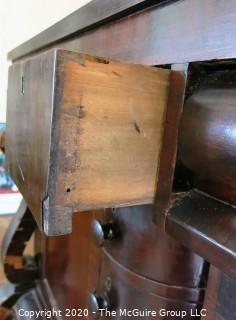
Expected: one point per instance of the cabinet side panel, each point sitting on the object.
(29, 118)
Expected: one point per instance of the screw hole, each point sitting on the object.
(68, 190)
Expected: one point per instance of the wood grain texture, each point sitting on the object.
(28, 129)
(168, 155)
(103, 147)
(220, 296)
(206, 226)
(111, 124)
(146, 249)
(72, 272)
(212, 293)
(124, 289)
(175, 32)
(93, 14)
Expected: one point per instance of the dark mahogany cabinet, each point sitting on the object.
(121, 137)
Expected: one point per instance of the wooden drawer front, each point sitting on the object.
(123, 289)
(147, 250)
(83, 133)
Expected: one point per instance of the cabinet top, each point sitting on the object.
(94, 14)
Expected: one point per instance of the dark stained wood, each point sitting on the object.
(226, 308)
(175, 102)
(72, 262)
(207, 137)
(177, 32)
(220, 296)
(74, 272)
(212, 293)
(159, 35)
(147, 250)
(91, 15)
(206, 150)
(103, 126)
(207, 226)
(17, 235)
(154, 287)
(124, 289)
(29, 111)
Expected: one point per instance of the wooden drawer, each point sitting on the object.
(139, 245)
(119, 289)
(83, 133)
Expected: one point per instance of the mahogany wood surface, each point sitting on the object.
(90, 16)
(207, 131)
(123, 289)
(175, 32)
(71, 263)
(178, 79)
(220, 296)
(206, 154)
(207, 226)
(212, 293)
(147, 250)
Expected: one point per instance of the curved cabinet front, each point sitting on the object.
(148, 251)
(127, 294)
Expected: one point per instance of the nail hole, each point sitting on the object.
(68, 190)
